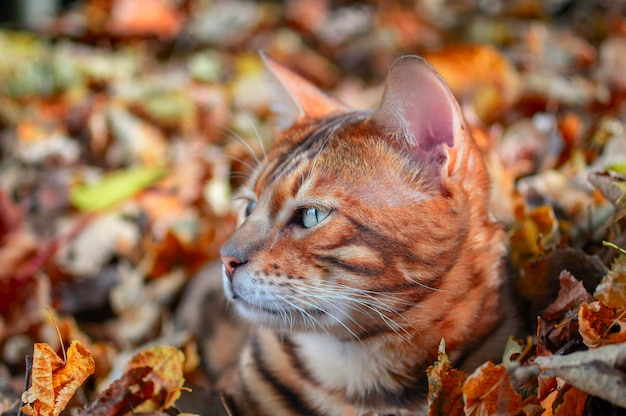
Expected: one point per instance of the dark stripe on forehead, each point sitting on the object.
(312, 144)
(291, 399)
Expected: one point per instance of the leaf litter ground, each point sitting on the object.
(126, 125)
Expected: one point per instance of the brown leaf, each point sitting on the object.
(54, 381)
(488, 391)
(445, 395)
(123, 395)
(597, 372)
(571, 294)
(601, 325)
(561, 313)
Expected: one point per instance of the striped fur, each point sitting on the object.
(349, 312)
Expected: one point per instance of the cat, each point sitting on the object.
(363, 239)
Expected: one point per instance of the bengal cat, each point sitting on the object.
(364, 238)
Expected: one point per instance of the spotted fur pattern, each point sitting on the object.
(364, 239)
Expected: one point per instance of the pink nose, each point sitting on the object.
(230, 264)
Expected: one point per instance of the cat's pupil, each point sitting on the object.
(312, 216)
(250, 207)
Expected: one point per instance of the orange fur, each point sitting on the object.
(402, 252)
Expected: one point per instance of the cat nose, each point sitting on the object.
(230, 264)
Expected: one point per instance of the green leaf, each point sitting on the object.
(113, 188)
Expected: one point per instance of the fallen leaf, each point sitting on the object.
(571, 294)
(571, 402)
(123, 395)
(613, 186)
(113, 188)
(598, 372)
(166, 363)
(488, 391)
(54, 381)
(601, 325)
(612, 289)
(559, 316)
(445, 395)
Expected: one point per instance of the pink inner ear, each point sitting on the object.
(419, 109)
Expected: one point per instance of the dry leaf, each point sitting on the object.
(612, 289)
(598, 372)
(54, 381)
(445, 395)
(572, 402)
(564, 309)
(166, 363)
(601, 325)
(571, 294)
(123, 395)
(488, 391)
(613, 186)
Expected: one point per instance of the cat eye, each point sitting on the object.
(310, 217)
(250, 207)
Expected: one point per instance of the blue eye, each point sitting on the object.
(250, 207)
(310, 217)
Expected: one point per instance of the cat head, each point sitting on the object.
(354, 217)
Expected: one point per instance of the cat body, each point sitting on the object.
(364, 239)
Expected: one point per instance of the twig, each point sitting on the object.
(27, 376)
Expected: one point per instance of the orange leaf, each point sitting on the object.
(54, 381)
(572, 403)
(597, 323)
(445, 396)
(488, 391)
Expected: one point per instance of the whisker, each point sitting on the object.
(231, 157)
(237, 138)
(256, 133)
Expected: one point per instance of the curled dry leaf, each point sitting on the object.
(488, 391)
(166, 376)
(559, 316)
(445, 395)
(54, 381)
(601, 325)
(598, 372)
(123, 394)
(612, 289)
(571, 294)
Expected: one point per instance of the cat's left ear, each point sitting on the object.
(294, 98)
(419, 111)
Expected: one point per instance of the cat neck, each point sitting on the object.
(362, 371)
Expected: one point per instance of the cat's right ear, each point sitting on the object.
(294, 98)
(419, 112)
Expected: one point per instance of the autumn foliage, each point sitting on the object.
(126, 125)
